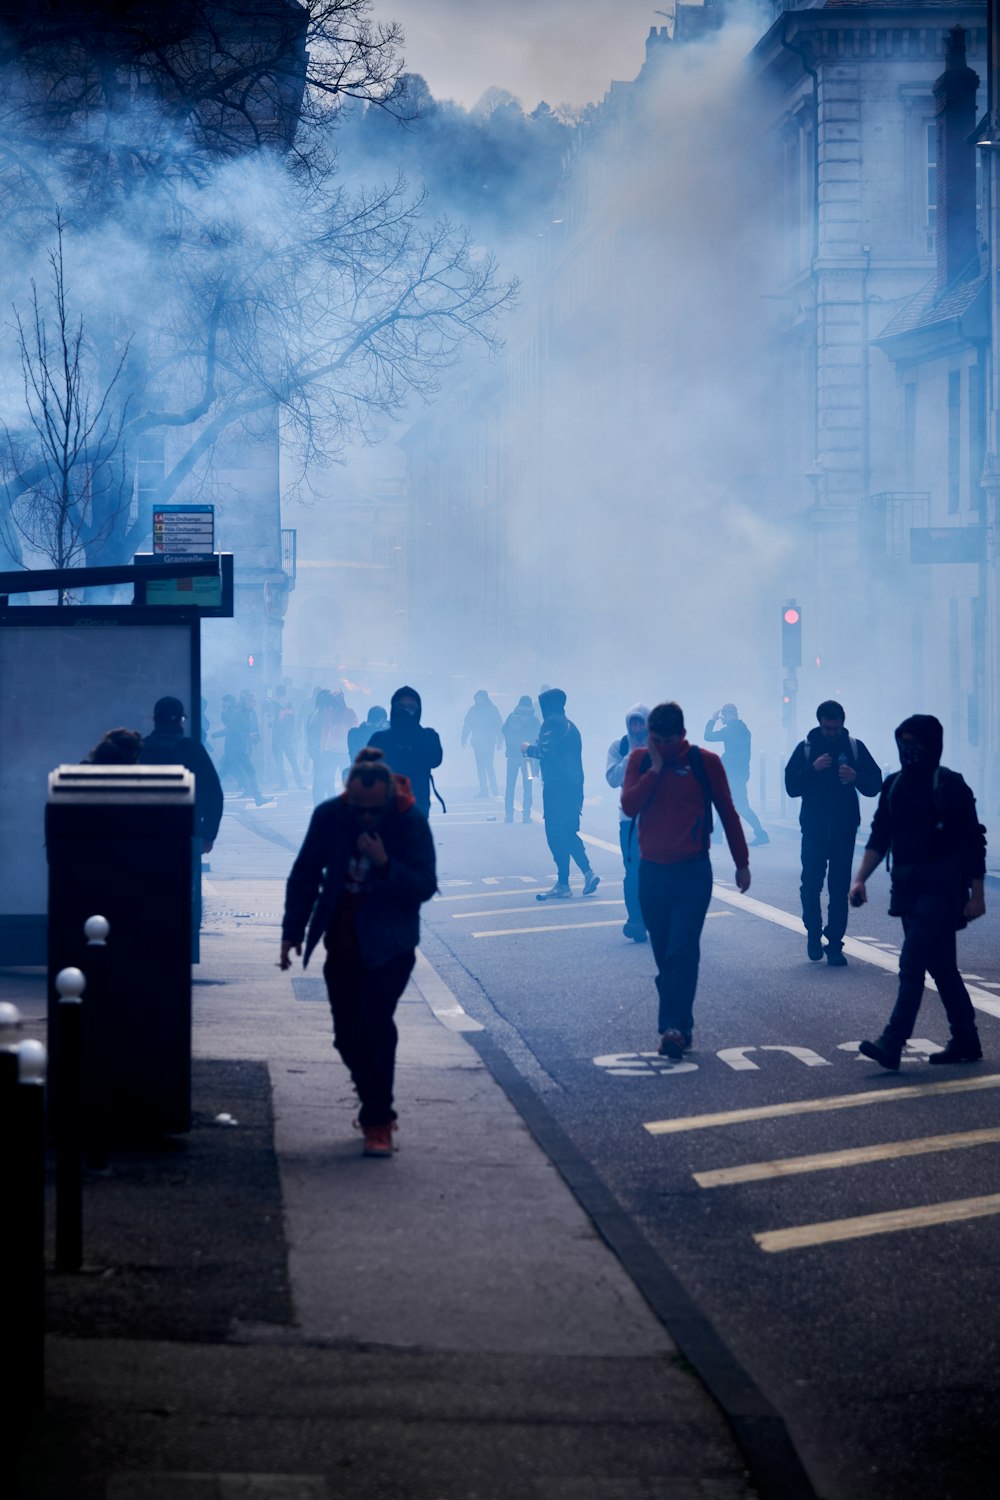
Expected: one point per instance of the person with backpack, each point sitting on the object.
(634, 738)
(413, 749)
(828, 770)
(520, 726)
(670, 789)
(559, 752)
(926, 819)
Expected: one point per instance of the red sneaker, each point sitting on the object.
(378, 1140)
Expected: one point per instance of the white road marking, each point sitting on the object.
(825, 1161)
(511, 895)
(547, 927)
(736, 1057)
(818, 1106)
(885, 1223)
(641, 1065)
(439, 997)
(869, 950)
(917, 1050)
(506, 911)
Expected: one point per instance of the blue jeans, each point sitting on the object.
(631, 891)
(674, 901)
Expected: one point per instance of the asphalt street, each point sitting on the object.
(838, 1225)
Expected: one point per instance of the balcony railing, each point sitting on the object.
(885, 521)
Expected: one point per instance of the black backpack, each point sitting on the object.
(701, 776)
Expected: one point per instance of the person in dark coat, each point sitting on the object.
(736, 742)
(168, 745)
(828, 770)
(360, 878)
(411, 750)
(926, 817)
(359, 736)
(559, 751)
(484, 727)
(520, 726)
(118, 747)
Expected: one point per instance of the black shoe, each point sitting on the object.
(672, 1045)
(814, 948)
(958, 1052)
(590, 882)
(835, 957)
(762, 838)
(885, 1052)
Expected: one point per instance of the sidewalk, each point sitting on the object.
(264, 1313)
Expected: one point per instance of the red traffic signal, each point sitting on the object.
(791, 615)
(791, 634)
(251, 660)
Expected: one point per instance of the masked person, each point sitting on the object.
(634, 738)
(828, 770)
(360, 878)
(727, 726)
(559, 752)
(926, 817)
(671, 788)
(520, 726)
(412, 750)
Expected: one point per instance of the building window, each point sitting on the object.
(954, 440)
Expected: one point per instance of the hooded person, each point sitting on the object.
(559, 751)
(411, 749)
(926, 818)
(358, 737)
(168, 745)
(484, 727)
(520, 727)
(635, 736)
(365, 868)
(827, 770)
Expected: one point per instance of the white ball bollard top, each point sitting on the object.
(10, 1022)
(96, 930)
(32, 1062)
(71, 984)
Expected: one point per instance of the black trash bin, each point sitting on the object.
(119, 846)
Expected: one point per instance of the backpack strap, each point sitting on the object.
(644, 766)
(437, 793)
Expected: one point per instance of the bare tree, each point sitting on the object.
(66, 453)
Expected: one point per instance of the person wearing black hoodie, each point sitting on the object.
(411, 750)
(926, 817)
(559, 750)
(827, 770)
(168, 745)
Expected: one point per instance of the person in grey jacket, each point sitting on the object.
(520, 727)
(636, 735)
(365, 868)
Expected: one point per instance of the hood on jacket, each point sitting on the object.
(818, 739)
(377, 714)
(482, 696)
(398, 715)
(929, 732)
(637, 711)
(525, 702)
(552, 701)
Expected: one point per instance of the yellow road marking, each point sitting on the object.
(506, 911)
(817, 1106)
(885, 1223)
(824, 1161)
(546, 927)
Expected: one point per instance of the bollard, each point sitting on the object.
(22, 1245)
(96, 1125)
(70, 985)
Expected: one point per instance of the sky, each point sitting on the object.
(563, 51)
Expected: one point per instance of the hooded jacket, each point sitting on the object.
(828, 804)
(410, 749)
(926, 816)
(483, 725)
(520, 727)
(387, 909)
(620, 750)
(559, 752)
(736, 742)
(168, 747)
(358, 737)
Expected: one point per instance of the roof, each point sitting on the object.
(930, 316)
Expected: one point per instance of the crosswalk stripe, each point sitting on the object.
(816, 1106)
(824, 1161)
(545, 927)
(506, 911)
(803, 1235)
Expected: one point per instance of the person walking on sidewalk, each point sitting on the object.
(364, 870)
(828, 770)
(520, 726)
(926, 817)
(559, 751)
(484, 727)
(727, 726)
(671, 788)
(634, 738)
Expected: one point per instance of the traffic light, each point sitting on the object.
(252, 660)
(791, 634)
